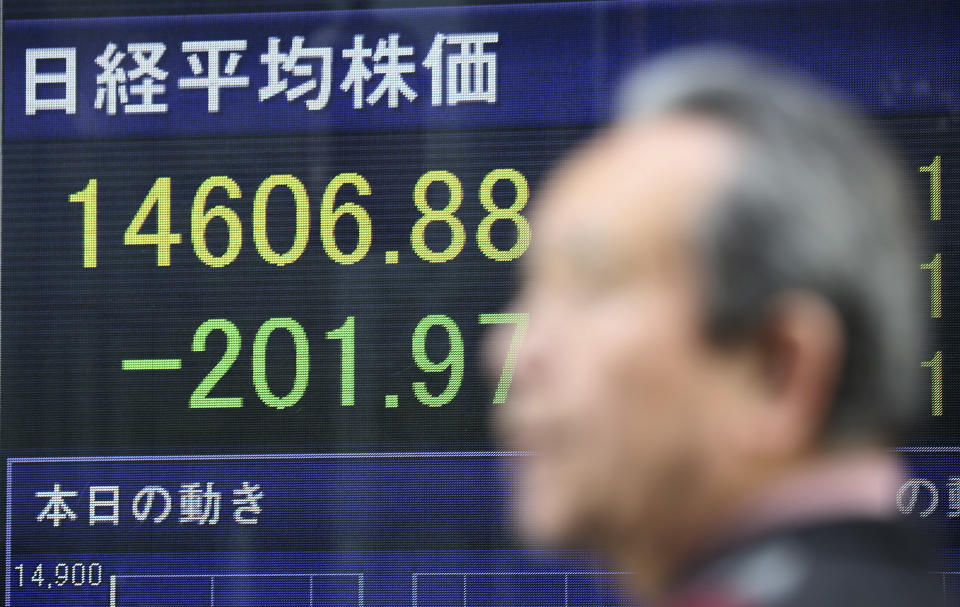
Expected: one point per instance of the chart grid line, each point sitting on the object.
(212, 577)
(464, 575)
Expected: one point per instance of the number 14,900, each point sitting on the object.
(346, 335)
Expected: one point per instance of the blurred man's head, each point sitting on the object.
(721, 287)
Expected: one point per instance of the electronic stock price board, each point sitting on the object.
(247, 260)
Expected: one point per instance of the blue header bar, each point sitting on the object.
(439, 500)
(435, 68)
(369, 501)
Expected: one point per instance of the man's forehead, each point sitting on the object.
(656, 175)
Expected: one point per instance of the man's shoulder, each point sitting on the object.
(839, 563)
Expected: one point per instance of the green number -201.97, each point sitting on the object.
(346, 335)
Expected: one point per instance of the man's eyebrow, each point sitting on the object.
(595, 257)
(586, 249)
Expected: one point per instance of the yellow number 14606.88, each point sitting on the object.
(157, 203)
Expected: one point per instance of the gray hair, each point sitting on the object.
(816, 205)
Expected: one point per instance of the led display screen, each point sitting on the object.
(249, 256)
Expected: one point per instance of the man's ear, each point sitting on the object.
(800, 351)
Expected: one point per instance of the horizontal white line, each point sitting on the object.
(213, 575)
(347, 455)
(265, 456)
(462, 573)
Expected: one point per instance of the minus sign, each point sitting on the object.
(151, 364)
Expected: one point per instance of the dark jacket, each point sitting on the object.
(845, 563)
